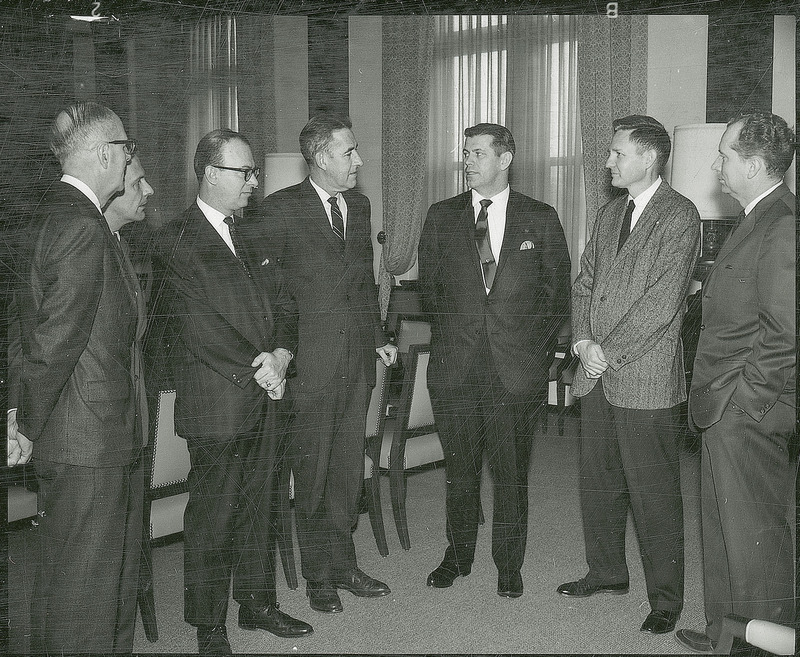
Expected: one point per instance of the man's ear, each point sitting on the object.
(505, 159)
(755, 164)
(210, 174)
(321, 159)
(650, 158)
(104, 155)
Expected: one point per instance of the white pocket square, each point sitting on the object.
(527, 244)
(266, 262)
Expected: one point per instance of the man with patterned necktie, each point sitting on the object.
(318, 233)
(628, 304)
(494, 270)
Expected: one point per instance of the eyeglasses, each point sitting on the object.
(248, 172)
(128, 145)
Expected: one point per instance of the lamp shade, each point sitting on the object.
(694, 149)
(282, 170)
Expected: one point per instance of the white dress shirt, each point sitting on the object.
(217, 221)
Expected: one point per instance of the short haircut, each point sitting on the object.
(209, 150)
(78, 126)
(767, 135)
(502, 139)
(317, 135)
(647, 134)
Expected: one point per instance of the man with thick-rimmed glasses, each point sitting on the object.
(235, 333)
(75, 319)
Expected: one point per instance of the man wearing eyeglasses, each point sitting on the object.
(76, 316)
(235, 332)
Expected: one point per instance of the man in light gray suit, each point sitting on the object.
(628, 303)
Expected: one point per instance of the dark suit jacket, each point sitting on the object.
(525, 308)
(747, 352)
(221, 319)
(632, 303)
(73, 327)
(334, 287)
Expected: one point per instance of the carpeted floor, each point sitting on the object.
(469, 618)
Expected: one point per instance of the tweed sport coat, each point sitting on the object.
(75, 320)
(220, 319)
(632, 303)
(525, 308)
(334, 287)
(747, 351)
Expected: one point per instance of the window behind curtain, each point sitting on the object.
(521, 72)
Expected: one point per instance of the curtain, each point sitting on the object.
(213, 86)
(612, 78)
(543, 115)
(468, 86)
(407, 45)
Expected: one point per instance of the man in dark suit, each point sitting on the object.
(318, 232)
(76, 317)
(494, 269)
(233, 339)
(743, 387)
(628, 303)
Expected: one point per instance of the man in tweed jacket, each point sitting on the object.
(627, 306)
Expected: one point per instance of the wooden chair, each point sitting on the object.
(560, 376)
(415, 441)
(412, 329)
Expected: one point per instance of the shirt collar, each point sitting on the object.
(83, 187)
(323, 195)
(214, 216)
(498, 199)
(749, 208)
(644, 198)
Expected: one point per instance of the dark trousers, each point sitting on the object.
(629, 458)
(327, 458)
(747, 488)
(228, 527)
(89, 536)
(479, 415)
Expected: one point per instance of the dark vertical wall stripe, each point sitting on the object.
(740, 52)
(328, 66)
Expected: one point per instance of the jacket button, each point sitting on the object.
(602, 298)
(619, 360)
(702, 327)
(341, 331)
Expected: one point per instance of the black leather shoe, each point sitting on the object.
(446, 573)
(509, 586)
(582, 589)
(361, 584)
(272, 619)
(213, 640)
(323, 597)
(695, 641)
(659, 621)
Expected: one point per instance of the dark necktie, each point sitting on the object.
(238, 246)
(484, 244)
(625, 231)
(337, 220)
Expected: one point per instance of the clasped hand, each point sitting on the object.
(19, 447)
(592, 358)
(271, 373)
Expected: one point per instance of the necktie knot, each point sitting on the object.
(230, 221)
(485, 202)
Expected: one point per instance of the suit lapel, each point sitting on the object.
(466, 227)
(644, 224)
(511, 235)
(317, 215)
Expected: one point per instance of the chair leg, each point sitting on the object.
(376, 513)
(283, 530)
(145, 597)
(397, 486)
